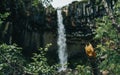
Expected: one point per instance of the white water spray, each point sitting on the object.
(61, 42)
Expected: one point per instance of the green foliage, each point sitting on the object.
(111, 63)
(11, 60)
(36, 2)
(42, 2)
(105, 29)
(108, 36)
(39, 64)
(117, 7)
(83, 70)
(3, 17)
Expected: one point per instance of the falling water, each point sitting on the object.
(61, 42)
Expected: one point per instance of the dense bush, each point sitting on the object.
(108, 48)
(11, 60)
(40, 65)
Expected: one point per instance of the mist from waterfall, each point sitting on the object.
(62, 53)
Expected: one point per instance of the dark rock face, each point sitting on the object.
(79, 17)
(79, 20)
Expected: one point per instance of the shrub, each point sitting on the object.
(39, 64)
(11, 60)
(108, 47)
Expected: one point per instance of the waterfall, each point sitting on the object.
(62, 53)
